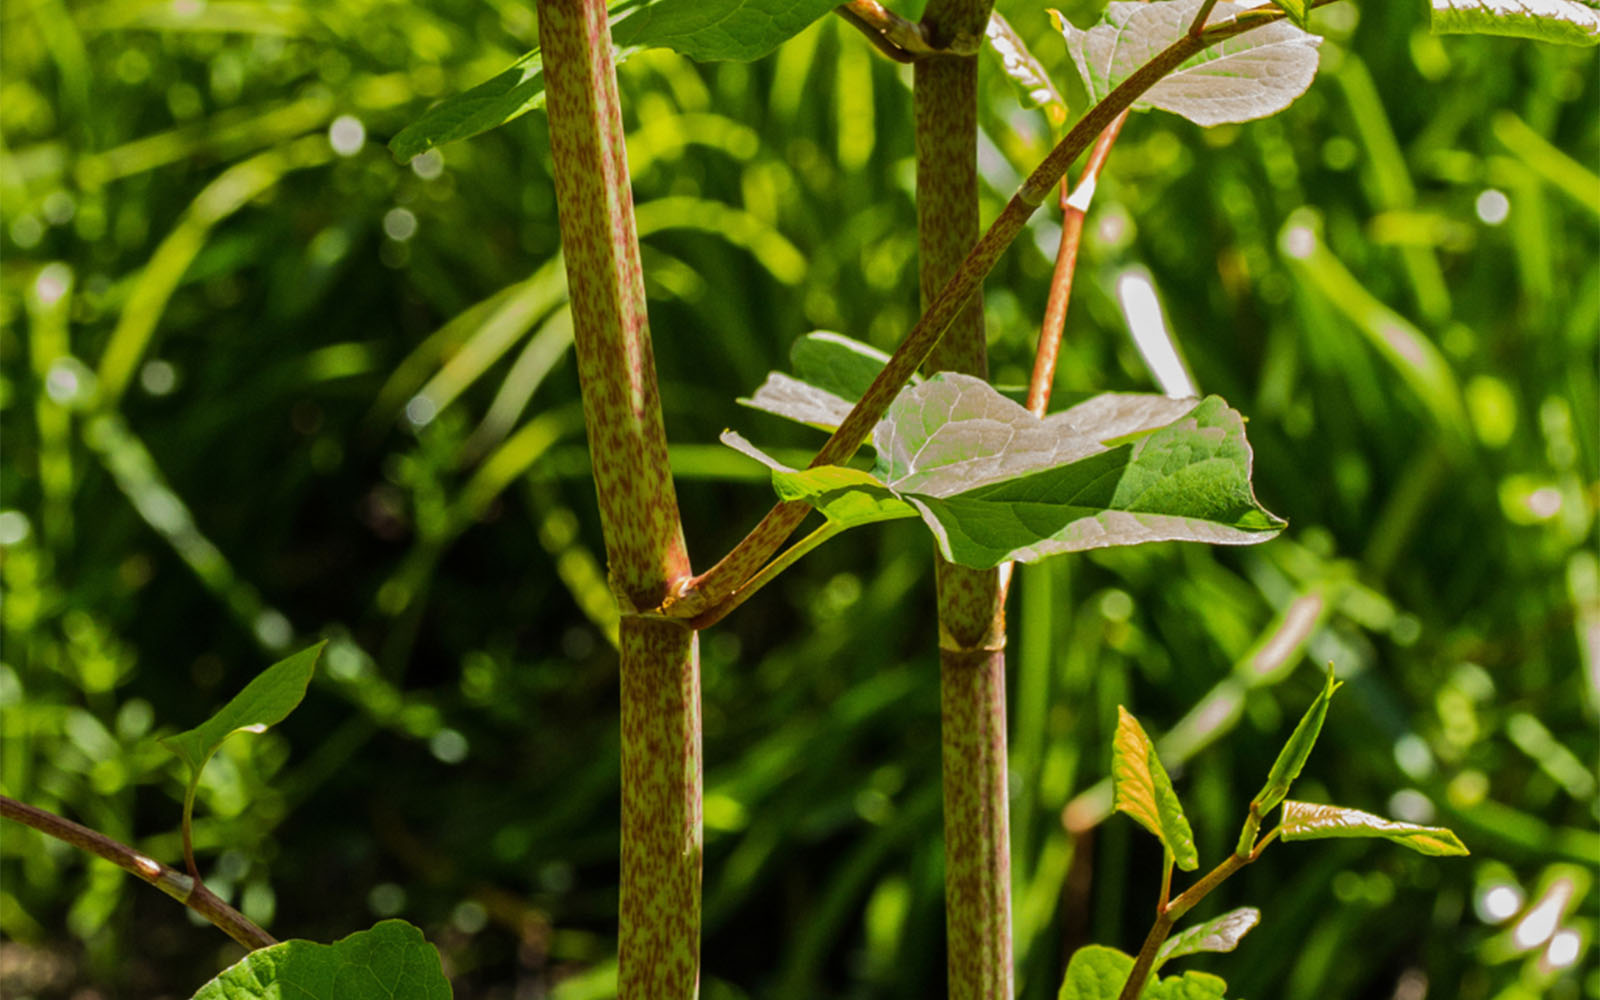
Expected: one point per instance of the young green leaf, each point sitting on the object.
(700, 29)
(391, 961)
(1095, 973)
(1142, 789)
(1217, 934)
(1292, 758)
(264, 702)
(1309, 821)
(1252, 75)
(1024, 69)
(1189, 986)
(1569, 22)
(849, 497)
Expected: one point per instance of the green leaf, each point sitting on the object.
(1569, 22)
(1251, 75)
(1292, 758)
(1298, 10)
(993, 491)
(995, 483)
(1189, 986)
(1308, 821)
(1023, 68)
(264, 702)
(700, 29)
(710, 30)
(504, 97)
(1217, 934)
(1142, 789)
(1095, 973)
(392, 961)
(838, 364)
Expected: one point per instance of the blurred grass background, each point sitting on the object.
(262, 384)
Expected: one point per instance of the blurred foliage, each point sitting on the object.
(263, 384)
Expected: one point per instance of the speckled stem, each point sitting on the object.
(658, 946)
(659, 905)
(971, 604)
(977, 832)
(645, 552)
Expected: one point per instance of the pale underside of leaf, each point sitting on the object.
(955, 433)
(1142, 789)
(1251, 75)
(1570, 22)
(788, 397)
(1218, 934)
(1310, 821)
(994, 483)
(391, 961)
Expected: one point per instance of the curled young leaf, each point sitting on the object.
(1142, 789)
(1291, 759)
(1309, 821)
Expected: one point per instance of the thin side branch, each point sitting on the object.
(174, 883)
(1074, 209)
(1199, 23)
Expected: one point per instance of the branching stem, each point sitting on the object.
(768, 573)
(185, 889)
(698, 594)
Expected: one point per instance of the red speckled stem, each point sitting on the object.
(658, 947)
(702, 592)
(659, 905)
(971, 603)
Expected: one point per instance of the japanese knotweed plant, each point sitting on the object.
(993, 479)
(1142, 789)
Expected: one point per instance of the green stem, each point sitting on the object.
(186, 827)
(174, 883)
(659, 900)
(1169, 914)
(700, 593)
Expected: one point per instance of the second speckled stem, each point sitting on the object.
(971, 602)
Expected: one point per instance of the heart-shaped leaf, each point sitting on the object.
(1309, 821)
(1291, 760)
(1569, 22)
(392, 961)
(1095, 973)
(1142, 789)
(1251, 75)
(1217, 934)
